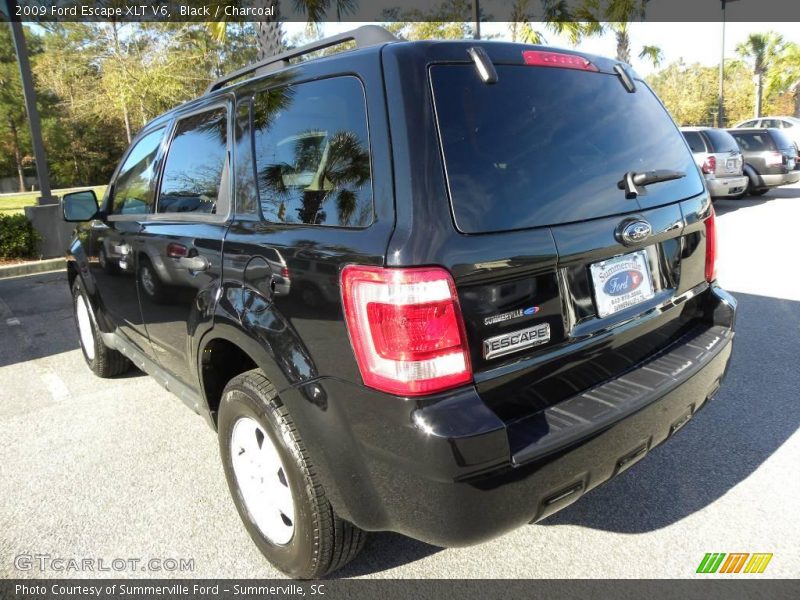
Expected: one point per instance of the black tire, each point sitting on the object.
(759, 192)
(321, 542)
(103, 361)
(152, 287)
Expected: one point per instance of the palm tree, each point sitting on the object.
(761, 50)
(556, 16)
(784, 77)
(269, 32)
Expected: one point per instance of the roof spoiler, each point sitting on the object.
(364, 36)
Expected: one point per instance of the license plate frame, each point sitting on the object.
(621, 282)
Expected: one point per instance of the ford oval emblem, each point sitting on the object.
(532, 310)
(623, 282)
(635, 232)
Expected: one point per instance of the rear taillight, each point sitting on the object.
(711, 247)
(774, 159)
(710, 164)
(540, 58)
(406, 329)
(175, 250)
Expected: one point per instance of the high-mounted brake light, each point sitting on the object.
(711, 247)
(541, 58)
(710, 164)
(406, 329)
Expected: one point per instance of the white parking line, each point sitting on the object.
(56, 386)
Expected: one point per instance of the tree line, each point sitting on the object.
(99, 83)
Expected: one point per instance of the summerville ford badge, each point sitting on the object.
(500, 345)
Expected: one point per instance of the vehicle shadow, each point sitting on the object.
(383, 551)
(723, 206)
(754, 413)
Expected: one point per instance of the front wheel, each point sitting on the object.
(102, 360)
(274, 485)
(759, 192)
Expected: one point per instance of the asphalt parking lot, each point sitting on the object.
(121, 469)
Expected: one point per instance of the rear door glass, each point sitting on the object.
(545, 146)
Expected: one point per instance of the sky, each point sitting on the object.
(693, 42)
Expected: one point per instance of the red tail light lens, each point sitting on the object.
(175, 250)
(711, 247)
(285, 272)
(710, 164)
(540, 58)
(406, 329)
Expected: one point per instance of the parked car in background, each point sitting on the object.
(719, 158)
(770, 158)
(788, 125)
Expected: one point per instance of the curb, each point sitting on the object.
(39, 266)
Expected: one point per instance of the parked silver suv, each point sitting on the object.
(719, 158)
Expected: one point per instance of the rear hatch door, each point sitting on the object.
(538, 155)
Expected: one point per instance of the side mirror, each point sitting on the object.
(80, 206)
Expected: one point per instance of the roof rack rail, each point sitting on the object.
(364, 36)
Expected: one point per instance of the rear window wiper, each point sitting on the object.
(633, 181)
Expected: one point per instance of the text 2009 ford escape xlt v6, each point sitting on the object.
(437, 288)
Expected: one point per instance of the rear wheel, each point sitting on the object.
(274, 485)
(102, 360)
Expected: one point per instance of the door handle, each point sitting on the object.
(194, 263)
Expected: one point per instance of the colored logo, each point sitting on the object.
(737, 562)
(635, 232)
(532, 310)
(623, 282)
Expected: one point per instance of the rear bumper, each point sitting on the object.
(774, 180)
(720, 187)
(448, 472)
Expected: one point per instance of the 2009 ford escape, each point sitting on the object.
(437, 288)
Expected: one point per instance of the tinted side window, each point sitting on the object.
(748, 124)
(695, 141)
(721, 141)
(133, 188)
(754, 142)
(312, 153)
(196, 173)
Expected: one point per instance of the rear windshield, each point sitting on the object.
(754, 142)
(722, 140)
(544, 146)
(783, 140)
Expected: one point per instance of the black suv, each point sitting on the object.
(769, 156)
(437, 288)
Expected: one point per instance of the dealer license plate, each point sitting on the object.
(621, 282)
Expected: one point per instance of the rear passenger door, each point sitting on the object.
(313, 192)
(180, 245)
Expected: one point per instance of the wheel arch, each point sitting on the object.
(225, 352)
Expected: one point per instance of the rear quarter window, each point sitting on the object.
(695, 141)
(544, 146)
